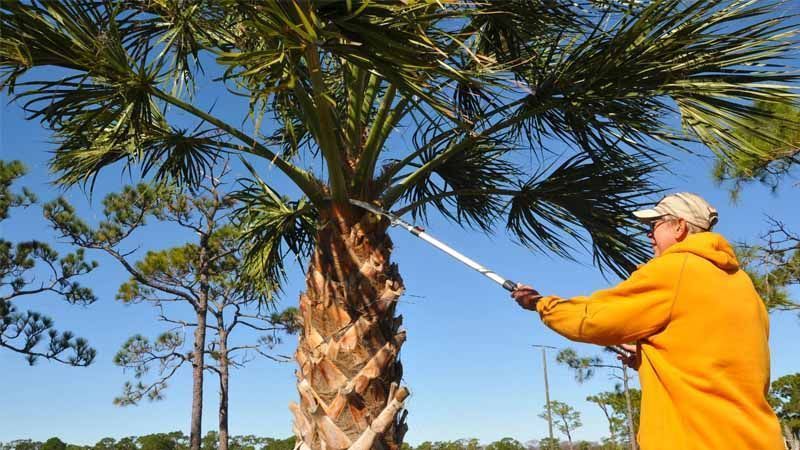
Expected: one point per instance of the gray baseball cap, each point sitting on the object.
(684, 205)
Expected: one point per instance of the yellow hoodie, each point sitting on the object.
(703, 333)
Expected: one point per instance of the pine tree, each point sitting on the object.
(20, 269)
(206, 274)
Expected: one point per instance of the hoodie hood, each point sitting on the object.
(710, 246)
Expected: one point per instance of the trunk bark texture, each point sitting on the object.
(349, 371)
(198, 352)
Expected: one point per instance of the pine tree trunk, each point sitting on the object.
(198, 366)
(792, 440)
(604, 408)
(223, 385)
(349, 371)
(198, 353)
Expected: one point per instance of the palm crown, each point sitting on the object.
(477, 82)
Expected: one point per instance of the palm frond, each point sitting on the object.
(173, 154)
(179, 156)
(99, 114)
(609, 90)
(69, 35)
(513, 30)
(473, 79)
(466, 188)
(273, 229)
(550, 209)
(174, 32)
(393, 39)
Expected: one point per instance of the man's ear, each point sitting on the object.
(682, 230)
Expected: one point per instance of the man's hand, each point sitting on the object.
(526, 296)
(634, 358)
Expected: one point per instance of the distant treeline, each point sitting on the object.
(157, 441)
(179, 441)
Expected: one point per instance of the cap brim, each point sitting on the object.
(647, 214)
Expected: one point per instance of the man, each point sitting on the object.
(700, 330)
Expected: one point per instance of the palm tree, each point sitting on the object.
(480, 85)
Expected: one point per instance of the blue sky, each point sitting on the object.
(468, 360)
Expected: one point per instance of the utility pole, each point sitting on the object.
(547, 389)
(629, 407)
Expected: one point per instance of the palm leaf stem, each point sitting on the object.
(300, 177)
(327, 140)
(371, 88)
(402, 108)
(373, 146)
(356, 79)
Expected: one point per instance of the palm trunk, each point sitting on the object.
(223, 384)
(350, 340)
(198, 366)
(629, 406)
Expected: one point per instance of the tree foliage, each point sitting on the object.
(549, 444)
(505, 443)
(584, 367)
(566, 418)
(175, 440)
(773, 264)
(54, 443)
(614, 407)
(773, 260)
(478, 81)
(207, 274)
(22, 266)
(784, 396)
(778, 157)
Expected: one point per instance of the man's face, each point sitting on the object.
(664, 233)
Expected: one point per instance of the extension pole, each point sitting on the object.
(420, 233)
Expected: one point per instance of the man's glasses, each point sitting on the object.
(653, 225)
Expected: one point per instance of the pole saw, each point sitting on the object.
(419, 232)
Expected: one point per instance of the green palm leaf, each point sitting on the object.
(581, 194)
(273, 228)
(465, 188)
(471, 79)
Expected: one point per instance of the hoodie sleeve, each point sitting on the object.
(634, 309)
